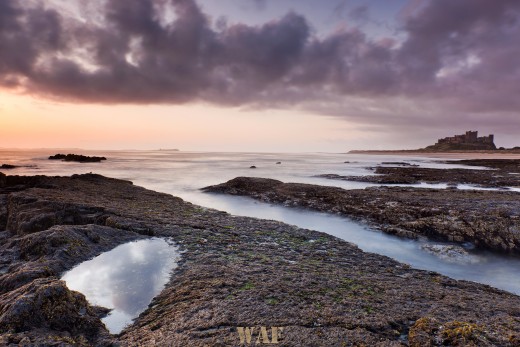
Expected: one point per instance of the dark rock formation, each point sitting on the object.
(451, 253)
(234, 271)
(503, 165)
(506, 174)
(8, 166)
(402, 175)
(489, 219)
(77, 158)
(398, 163)
(47, 303)
(252, 167)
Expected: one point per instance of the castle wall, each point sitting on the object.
(468, 137)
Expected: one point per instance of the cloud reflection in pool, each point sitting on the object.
(125, 279)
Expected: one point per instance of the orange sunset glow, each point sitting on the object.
(258, 76)
(33, 122)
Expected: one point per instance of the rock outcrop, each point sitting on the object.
(234, 272)
(77, 158)
(506, 174)
(489, 219)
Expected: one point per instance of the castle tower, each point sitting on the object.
(471, 136)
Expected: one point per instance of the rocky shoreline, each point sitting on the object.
(422, 152)
(234, 272)
(488, 219)
(504, 173)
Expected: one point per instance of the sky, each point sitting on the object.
(257, 75)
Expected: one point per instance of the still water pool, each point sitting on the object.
(125, 279)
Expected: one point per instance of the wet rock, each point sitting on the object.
(28, 215)
(509, 165)
(398, 163)
(234, 272)
(428, 331)
(451, 253)
(3, 212)
(252, 167)
(488, 219)
(3, 180)
(504, 174)
(47, 303)
(453, 177)
(77, 158)
(422, 332)
(47, 253)
(9, 184)
(452, 186)
(129, 225)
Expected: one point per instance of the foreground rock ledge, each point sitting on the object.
(488, 219)
(235, 272)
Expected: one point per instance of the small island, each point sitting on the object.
(8, 166)
(77, 158)
(11, 166)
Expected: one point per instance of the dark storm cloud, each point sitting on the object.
(482, 40)
(465, 52)
(448, 31)
(24, 34)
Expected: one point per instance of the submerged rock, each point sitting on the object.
(398, 163)
(451, 253)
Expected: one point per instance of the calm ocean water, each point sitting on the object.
(184, 173)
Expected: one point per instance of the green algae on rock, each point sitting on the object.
(234, 272)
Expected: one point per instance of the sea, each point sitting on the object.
(183, 174)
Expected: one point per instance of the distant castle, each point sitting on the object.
(469, 137)
(467, 141)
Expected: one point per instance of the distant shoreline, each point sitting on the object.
(497, 154)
